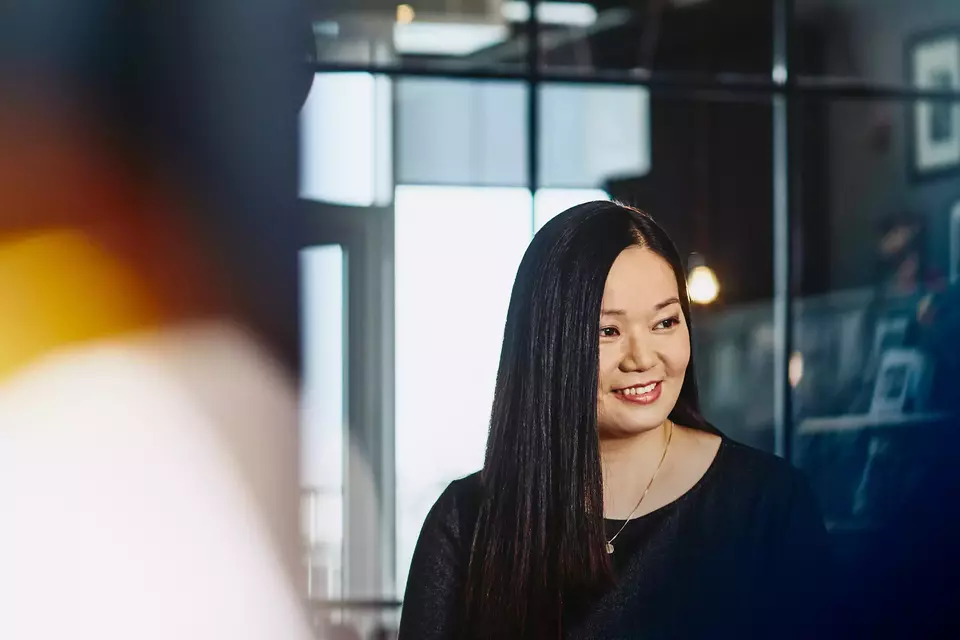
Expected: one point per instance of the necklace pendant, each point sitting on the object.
(609, 548)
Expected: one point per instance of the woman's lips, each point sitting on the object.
(640, 394)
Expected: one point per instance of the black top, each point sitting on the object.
(743, 554)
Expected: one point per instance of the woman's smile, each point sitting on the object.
(640, 394)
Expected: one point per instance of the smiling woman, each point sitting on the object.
(596, 438)
(644, 342)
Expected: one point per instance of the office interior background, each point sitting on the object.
(804, 155)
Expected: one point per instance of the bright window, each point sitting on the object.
(457, 254)
(322, 417)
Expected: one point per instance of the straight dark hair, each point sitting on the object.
(538, 547)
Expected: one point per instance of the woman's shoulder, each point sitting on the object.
(455, 511)
(755, 495)
(758, 472)
(462, 493)
(466, 488)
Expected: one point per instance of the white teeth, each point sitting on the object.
(633, 391)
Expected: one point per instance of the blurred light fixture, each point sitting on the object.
(446, 38)
(569, 14)
(326, 28)
(795, 369)
(702, 284)
(779, 73)
(405, 14)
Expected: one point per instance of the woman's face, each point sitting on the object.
(644, 344)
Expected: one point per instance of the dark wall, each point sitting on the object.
(710, 186)
(708, 37)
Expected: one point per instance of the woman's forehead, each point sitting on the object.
(639, 278)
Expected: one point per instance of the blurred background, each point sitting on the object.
(803, 154)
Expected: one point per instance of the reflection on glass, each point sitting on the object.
(875, 408)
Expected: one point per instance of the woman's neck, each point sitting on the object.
(628, 464)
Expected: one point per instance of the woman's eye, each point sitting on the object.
(609, 332)
(668, 323)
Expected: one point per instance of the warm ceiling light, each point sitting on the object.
(702, 284)
(795, 369)
(405, 14)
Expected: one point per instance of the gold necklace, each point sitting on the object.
(645, 491)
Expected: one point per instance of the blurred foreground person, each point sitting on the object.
(608, 507)
(148, 423)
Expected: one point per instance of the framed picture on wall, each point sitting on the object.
(889, 333)
(933, 63)
(901, 384)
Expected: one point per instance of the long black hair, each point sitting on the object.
(538, 547)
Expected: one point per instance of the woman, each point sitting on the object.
(607, 506)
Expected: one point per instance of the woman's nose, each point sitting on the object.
(639, 354)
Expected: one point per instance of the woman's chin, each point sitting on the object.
(628, 429)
